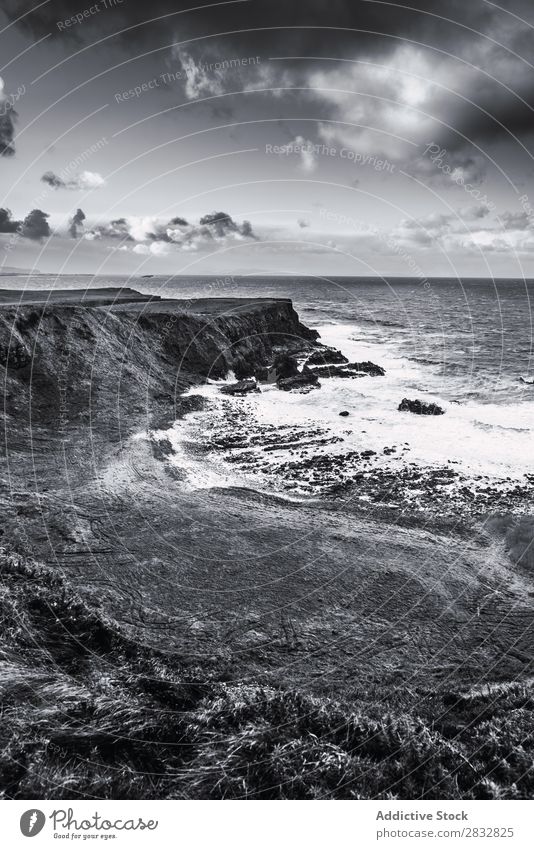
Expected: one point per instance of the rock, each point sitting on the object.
(368, 368)
(344, 413)
(283, 366)
(242, 387)
(307, 379)
(335, 371)
(243, 369)
(420, 408)
(325, 355)
(265, 374)
(350, 370)
(286, 366)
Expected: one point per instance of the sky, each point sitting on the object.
(354, 137)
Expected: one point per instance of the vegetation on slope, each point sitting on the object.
(87, 712)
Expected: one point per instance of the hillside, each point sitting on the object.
(87, 713)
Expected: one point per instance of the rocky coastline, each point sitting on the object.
(333, 596)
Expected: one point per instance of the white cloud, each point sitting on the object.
(153, 249)
(84, 181)
(305, 150)
(200, 81)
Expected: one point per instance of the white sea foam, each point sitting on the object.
(478, 439)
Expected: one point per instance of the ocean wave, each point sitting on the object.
(488, 427)
(382, 322)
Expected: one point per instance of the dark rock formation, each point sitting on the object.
(350, 370)
(265, 374)
(242, 387)
(420, 408)
(368, 368)
(307, 379)
(325, 355)
(344, 413)
(286, 366)
(336, 371)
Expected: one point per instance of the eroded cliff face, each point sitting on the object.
(67, 365)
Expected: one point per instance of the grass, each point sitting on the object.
(87, 712)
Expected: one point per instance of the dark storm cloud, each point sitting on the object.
(221, 224)
(52, 180)
(340, 29)
(7, 131)
(76, 223)
(7, 223)
(155, 22)
(35, 225)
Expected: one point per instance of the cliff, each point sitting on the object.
(114, 354)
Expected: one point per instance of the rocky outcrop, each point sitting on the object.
(242, 387)
(305, 380)
(420, 408)
(368, 368)
(349, 370)
(325, 355)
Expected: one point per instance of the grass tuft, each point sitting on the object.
(88, 713)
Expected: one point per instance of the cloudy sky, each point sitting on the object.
(350, 137)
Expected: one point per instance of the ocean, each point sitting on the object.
(466, 345)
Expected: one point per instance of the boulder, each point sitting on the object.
(325, 355)
(368, 368)
(242, 387)
(350, 370)
(307, 379)
(344, 413)
(335, 371)
(286, 366)
(420, 408)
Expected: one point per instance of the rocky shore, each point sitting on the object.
(329, 594)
